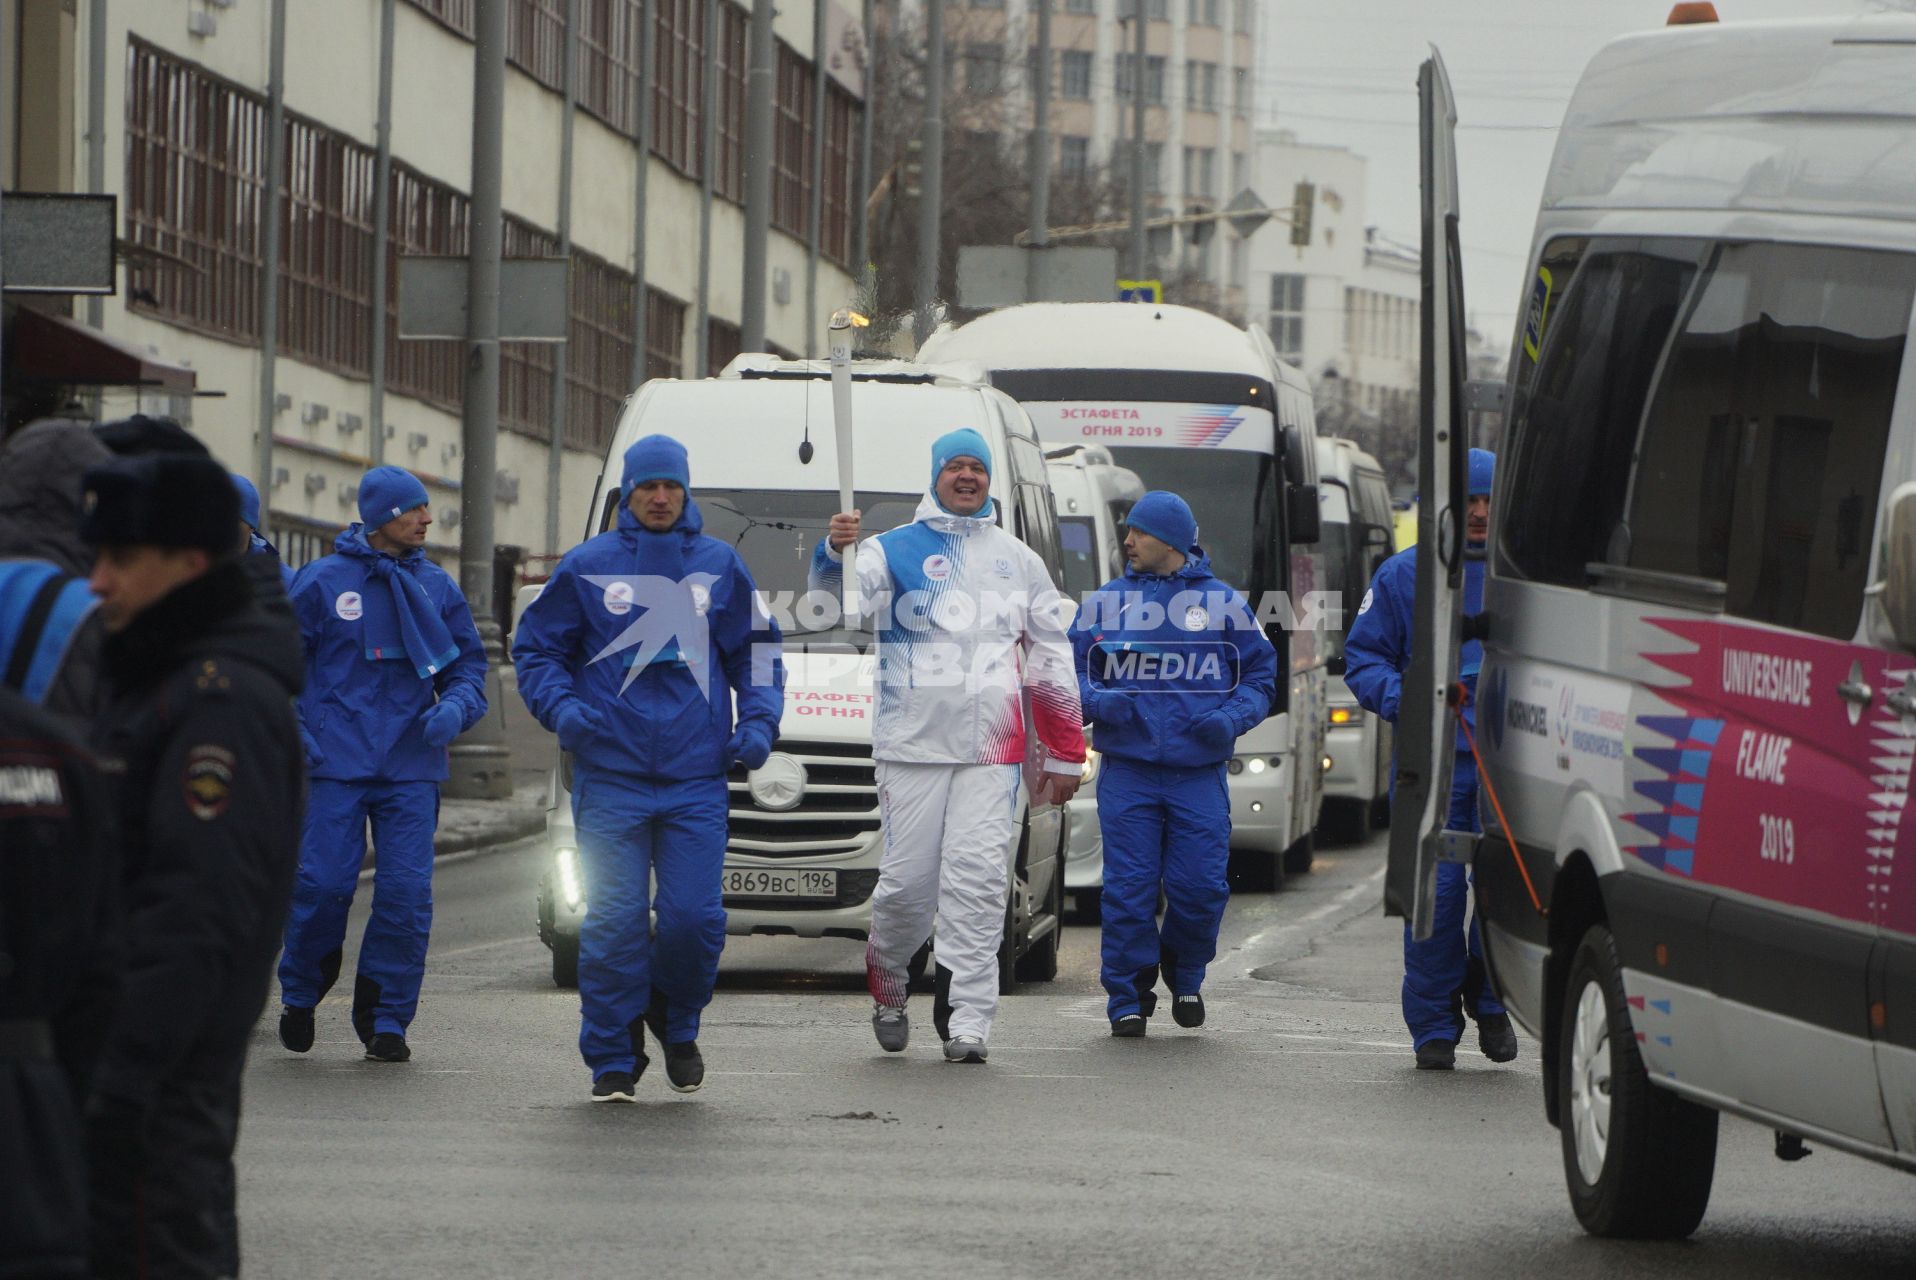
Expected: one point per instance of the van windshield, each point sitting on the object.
(1230, 492)
(1078, 539)
(776, 529)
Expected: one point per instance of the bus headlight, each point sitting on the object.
(569, 886)
(1256, 764)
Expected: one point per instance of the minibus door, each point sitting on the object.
(1427, 721)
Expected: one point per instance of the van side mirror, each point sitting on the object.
(1306, 522)
(1898, 587)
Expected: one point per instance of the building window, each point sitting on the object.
(722, 344)
(1157, 10)
(791, 142)
(984, 65)
(195, 189)
(535, 39)
(1287, 317)
(1080, 6)
(1200, 85)
(1074, 75)
(1154, 168)
(1245, 8)
(1240, 91)
(1202, 13)
(1153, 77)
(1200, 178)
(664, 335)
(1074, 158)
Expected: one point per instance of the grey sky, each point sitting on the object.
(1345, 74)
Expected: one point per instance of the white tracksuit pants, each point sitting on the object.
(947, 860)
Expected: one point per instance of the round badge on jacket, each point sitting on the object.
(618, 597)
(348, 606)
(937, 567)
(1195, 619)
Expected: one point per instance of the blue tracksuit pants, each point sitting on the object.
(1444, 974)
(1165, 828)
(630, 830)
(392, 955)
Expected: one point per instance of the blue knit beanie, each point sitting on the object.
(962, 443)
(655, 458)
(386, 493)
(1166, 517)
(249, 500)
(1483, 469)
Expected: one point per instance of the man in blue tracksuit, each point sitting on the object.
(394, 672)
(256, 543)
(1172, 669)
(633, 655)
(1443, 975)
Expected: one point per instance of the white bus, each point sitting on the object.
(1198, 406)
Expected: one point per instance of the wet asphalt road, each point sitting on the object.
(1290, 1136)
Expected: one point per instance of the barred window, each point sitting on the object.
(457, 14)
(792, 143)
(835, 239)
(722, 342)
(196, 156)
(664, 335)
(679, 86)
(731, 67)
(611, 36)
(535, 40)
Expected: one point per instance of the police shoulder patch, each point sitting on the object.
(207, 781)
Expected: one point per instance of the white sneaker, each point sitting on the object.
(965, 1049)
(892, 1028)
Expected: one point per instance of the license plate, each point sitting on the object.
(778, 882)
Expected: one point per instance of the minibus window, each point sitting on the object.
(1078, 535)
(1575, 426)
(1762, 454)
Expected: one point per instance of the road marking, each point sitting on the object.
(1368, 885)
(1010, 1076)
(1300, 1035)
(761, 1073)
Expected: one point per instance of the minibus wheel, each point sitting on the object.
(565, 960)
(1638, 1160)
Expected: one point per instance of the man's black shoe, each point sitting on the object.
(615, 1086)
(1129, 1027)
(387, 1046)
(1188, 1011)
(1497, 1038)
(296, 1028)
(684, 1067)
(1148, 1002)
(1437, 1055)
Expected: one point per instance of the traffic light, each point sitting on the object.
(911, 173)
(1303, 200)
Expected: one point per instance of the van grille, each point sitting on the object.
(837, 815)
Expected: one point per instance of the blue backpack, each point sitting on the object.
(41, 609)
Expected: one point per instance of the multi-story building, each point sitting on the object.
(1197, 81)
(183, 86)
(1344, 307)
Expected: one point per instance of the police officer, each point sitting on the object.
(633, 655)
(59, 966)
(1444, 974)
(200, 734)
(1165, 731)
(395, 672)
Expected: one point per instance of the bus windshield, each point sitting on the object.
(1231, 493)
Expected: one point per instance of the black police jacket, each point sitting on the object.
(210, 786)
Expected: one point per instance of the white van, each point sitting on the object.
(1698, 698)
(1092, 495)
(1199, 406)
(764, 471)
(1357, 537)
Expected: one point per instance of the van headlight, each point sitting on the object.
(570, 888)
(1255, 764)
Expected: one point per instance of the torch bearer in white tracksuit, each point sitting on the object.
(843, 322)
